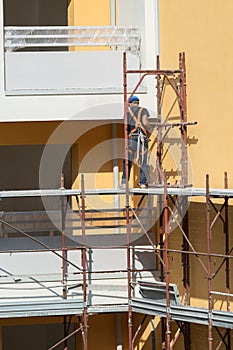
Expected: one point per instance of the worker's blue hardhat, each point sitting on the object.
(134, 99)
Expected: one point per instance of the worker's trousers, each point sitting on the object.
(137, 147)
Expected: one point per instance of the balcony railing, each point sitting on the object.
(124, 38)
(44, 60)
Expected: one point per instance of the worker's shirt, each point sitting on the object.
(131, 121)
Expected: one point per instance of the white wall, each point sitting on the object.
(144, 14)
(67, 72)
(33, 275)
(64, 85)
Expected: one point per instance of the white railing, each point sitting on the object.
(124, 38)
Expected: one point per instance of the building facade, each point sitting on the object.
(86, 264)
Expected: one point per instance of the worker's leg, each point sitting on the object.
(144, 168)
(123, 179)
(131, 150)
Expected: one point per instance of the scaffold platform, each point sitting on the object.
(173, 191)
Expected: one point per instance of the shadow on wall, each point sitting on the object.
(148, 261)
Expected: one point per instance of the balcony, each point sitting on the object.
(52, 283)
(69, 60)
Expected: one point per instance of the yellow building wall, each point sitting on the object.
(89, 13)
(204, 31)
(26, 133)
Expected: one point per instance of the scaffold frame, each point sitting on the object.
(168, 209)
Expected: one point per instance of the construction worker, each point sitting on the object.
(138, 128)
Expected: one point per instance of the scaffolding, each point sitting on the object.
(182, 314)
(173, 202)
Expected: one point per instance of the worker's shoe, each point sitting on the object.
(123, 185)
(143, 185)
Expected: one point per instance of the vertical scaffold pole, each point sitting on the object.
(159, 181)
(130, 316)
(159, 134)
(158, 165)
(166, 232)
(126, 152)
(186, 270)
(84, 265)
(226, 232)
(183, 116)
(64, 257)
(184, 182)
(64, 251)
(209, 277)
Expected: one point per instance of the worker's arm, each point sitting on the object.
(148, 126)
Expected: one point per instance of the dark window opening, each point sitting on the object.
(36, 13)
(21, 171)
